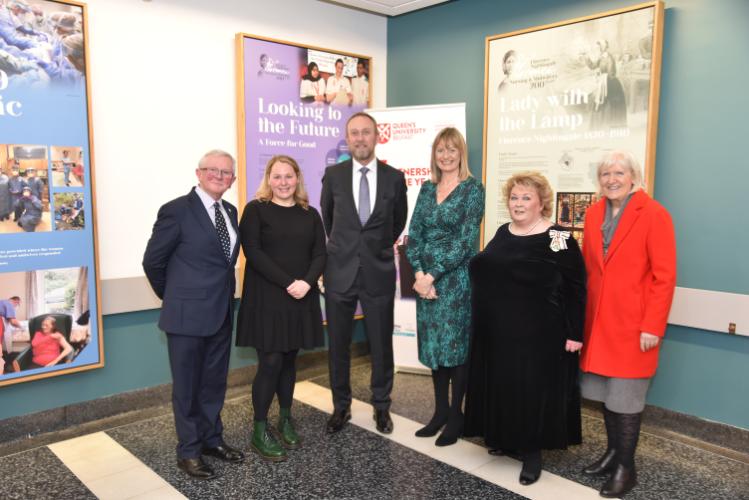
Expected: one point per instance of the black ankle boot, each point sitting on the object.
(453, 430)
(531, 470)
(603, 465)
(433, 427)
(621, 481)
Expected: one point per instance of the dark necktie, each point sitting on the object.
(223, 233)
(364, 208)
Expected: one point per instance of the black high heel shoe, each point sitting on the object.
(531, 470)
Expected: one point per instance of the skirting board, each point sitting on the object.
(703, 309)
(713, 311)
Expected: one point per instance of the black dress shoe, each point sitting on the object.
(527, 478)
(531, 470)
(621, 481)
(383, 421)
(338, 420)
(603, 465)
(196, 468)
(225, 453)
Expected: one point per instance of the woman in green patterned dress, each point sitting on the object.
(441, 240)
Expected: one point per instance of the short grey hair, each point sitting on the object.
(217, 152)
(625, 160)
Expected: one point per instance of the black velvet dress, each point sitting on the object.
(523, 391)
(281, 244)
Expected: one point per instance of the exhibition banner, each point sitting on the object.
(50, 321)
(284, 108)
(558, 97)
(405, 142)
(295, 100)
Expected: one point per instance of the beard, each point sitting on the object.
(362, 154)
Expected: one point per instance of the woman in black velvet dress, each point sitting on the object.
(528, 307)
(284, 244)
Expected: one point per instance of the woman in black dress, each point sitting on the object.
(284, 244)
(528, 307)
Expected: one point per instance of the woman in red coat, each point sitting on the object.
(630, 257)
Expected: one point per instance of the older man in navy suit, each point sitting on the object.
(189, 262)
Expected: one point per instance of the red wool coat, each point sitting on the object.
(630, 291)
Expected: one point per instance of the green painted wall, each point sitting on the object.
(437, 56)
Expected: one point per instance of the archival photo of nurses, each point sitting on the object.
(24, 189)
(559, 98)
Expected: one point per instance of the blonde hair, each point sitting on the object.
(538, 182)
(264, 192)
(625, 160)
(450, 136)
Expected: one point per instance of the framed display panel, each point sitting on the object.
(49, 279)
(560, 96)
(291, 101)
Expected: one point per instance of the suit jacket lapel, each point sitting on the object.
(348, 187)
(631, 213)
(380, 188)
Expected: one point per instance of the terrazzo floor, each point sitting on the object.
(137, 460)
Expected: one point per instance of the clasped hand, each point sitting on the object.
(298, 289)
(424, 286)
(573, 346)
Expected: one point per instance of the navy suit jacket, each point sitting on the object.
(187, 268)
(352, 246)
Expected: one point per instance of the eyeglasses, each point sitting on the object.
(217, 172)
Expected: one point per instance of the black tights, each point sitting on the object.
(441, 378)
(459, 379)
(276, 374)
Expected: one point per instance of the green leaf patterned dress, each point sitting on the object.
(441, 241)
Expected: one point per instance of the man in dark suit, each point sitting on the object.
(364, 209)
(189, 262)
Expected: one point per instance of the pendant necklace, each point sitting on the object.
(531, 229)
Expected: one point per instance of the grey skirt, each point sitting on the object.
(621, 395)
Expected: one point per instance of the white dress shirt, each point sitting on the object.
(371, 178)
(208, 202)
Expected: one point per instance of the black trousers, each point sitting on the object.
(378, 326)
(200, 366)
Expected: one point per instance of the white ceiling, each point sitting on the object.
(387, 7)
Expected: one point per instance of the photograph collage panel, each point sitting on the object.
(27, 172)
